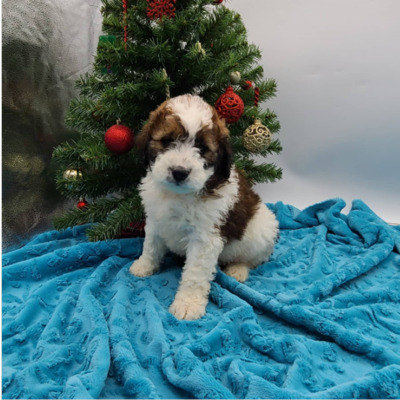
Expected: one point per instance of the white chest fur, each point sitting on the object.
(179, 218)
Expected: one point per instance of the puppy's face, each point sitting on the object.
(186, 145)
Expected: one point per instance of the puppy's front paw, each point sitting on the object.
(142, 268)
(188, 308)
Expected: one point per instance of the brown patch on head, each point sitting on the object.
(242, 211)
(216, 150)
(161, 129)
(207, 143)
(165, 127)
(219, 124)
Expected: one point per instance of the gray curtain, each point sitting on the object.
(47, 44)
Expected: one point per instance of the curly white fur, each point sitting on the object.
(181, 219)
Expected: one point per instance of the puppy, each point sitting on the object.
(197, 205)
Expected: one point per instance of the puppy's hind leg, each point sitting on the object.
(239, 271)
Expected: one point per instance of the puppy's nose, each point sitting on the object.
(180, 174)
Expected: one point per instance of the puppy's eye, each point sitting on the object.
(201, 146)
(166, 142)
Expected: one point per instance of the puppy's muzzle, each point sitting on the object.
(180, 174)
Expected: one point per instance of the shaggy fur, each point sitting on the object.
(196, 204)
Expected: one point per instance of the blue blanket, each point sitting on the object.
(320, 320)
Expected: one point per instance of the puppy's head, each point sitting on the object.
(186, 145)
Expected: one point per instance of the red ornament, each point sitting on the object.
(247, 85)
(218, 1)
(256, 96)
(135, 229)
(157, 9)
(119, 139)
(125, 5)
(82, 204)
(230, 106)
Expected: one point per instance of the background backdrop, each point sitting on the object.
(337, 64)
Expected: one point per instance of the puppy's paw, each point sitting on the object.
(238, 271)
(188, 309)
(142, 268)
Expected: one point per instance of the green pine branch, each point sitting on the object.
(128, 210)
(265, 172)
(198, 49)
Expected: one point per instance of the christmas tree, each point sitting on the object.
(151, 50)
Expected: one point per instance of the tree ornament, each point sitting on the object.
(125, 5)
(230, 106)
(82, 203)
(135, 229)
(257, 137)
(200, 49)
(119, 139)
(218, 1)
(72, 174)
(157, 9)
(247, 85)
(256, 96)
(235, 77)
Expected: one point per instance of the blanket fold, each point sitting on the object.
(321, 319)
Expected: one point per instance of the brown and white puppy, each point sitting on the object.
(196, 204)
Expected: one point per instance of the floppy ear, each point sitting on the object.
(223, 163)
(222, 166)
(156, 119)
(143, 141)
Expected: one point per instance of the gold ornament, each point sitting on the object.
(235, 77)
(72, 174)
(200, 49)
(257, 137)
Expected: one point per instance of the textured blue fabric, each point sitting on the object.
(320, 320)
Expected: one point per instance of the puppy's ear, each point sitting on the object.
(223, 163)
(156, 119)
(143, 141)
(224, 160)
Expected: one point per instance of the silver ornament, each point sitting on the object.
(235, 77)
(257, 137)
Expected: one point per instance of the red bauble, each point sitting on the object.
(247, 85)
(82, 204)
(135, 229)
(160, 8)
(230, 106)
(218, 1)
(119, 139)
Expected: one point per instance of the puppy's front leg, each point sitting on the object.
(201, 261)
(154, 250)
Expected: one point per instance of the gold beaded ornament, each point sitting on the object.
(257, 137)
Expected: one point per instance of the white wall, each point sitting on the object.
(337, 63)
